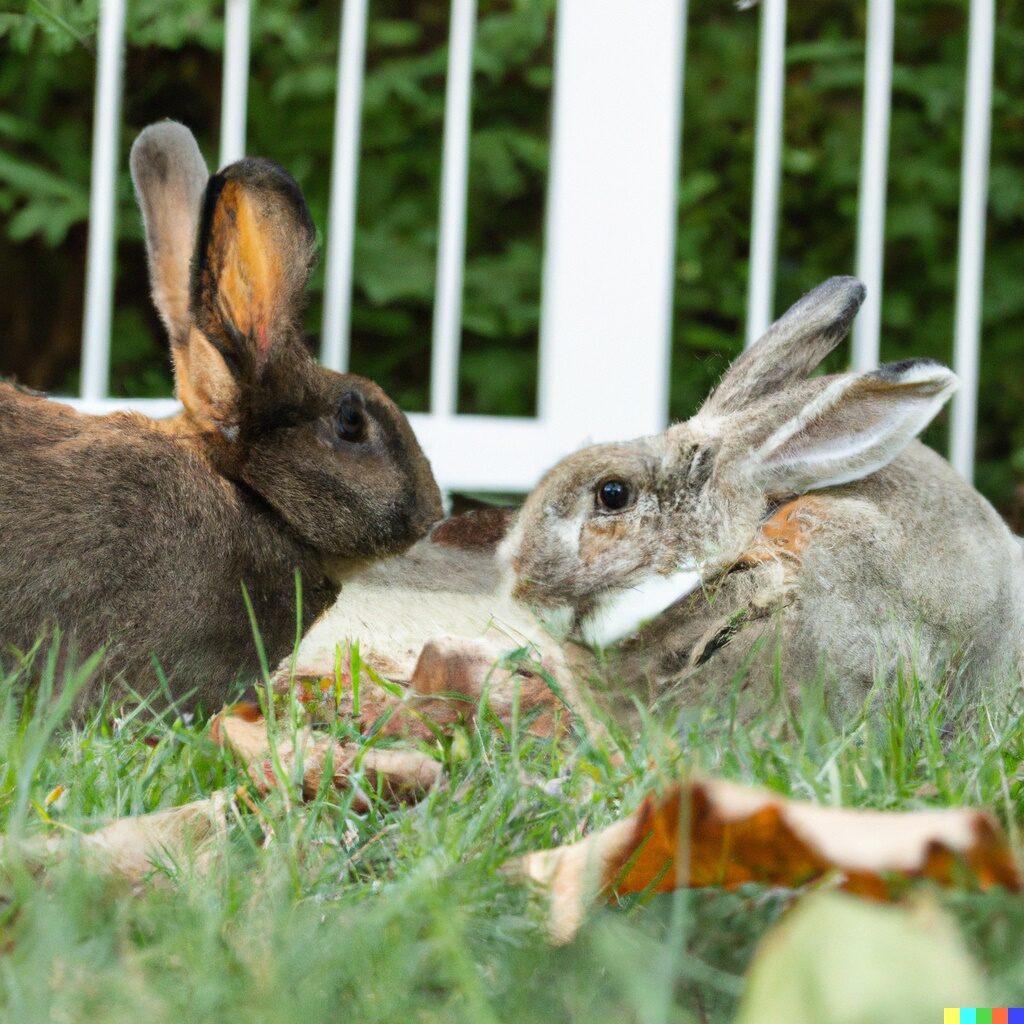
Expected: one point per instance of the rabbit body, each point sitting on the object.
(793, 521)
(140, 535)
(122, 533)
(849, 586)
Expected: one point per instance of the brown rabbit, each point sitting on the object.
(791, 517)
(139, 534)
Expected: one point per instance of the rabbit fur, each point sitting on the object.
(138, 535)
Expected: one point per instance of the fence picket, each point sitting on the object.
(971, 246)
(767, 168)
(874, 168)
(608, 271)
(341, 230)
(444, 364)
(99, 267)
(234, 80)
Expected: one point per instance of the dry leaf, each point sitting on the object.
(447, 584)
(136, 848)
(404, 775)
(736, 834)
(444, 689)
(467, 669)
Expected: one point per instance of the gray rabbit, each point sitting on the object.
(792, 518)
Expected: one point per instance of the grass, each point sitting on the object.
(402, 914)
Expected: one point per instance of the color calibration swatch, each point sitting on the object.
(980, 1015)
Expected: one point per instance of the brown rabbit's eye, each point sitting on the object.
(351, 418)
(613, 495)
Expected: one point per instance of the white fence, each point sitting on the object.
(608, 265)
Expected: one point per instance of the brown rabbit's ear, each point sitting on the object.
(253, 258)
(169, 175)
(792, 347)
(849, 427)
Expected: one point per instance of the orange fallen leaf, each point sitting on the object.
(54, 795)
(711, 832)
(131, 847)
(458, 671)
(403, 774)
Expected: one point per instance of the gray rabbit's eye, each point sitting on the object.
(613, 495)
(351, 417)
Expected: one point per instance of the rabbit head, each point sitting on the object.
(230, 256)
(616, 533)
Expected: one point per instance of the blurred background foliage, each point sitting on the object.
(173, 70)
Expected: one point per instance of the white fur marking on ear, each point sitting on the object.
(851, 456)
(808, 414)
(621, 613)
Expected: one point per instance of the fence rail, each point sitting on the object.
(609, 238)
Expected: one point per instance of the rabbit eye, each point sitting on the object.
(351, 418)
(613, 495)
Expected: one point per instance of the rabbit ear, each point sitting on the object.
(169, 175)
(254, 254)
(256, 245)
(792, 347)
(853, 426)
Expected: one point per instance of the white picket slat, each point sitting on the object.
(609, 242)
(341, 217)
(771, 67)
(234, 80)
(99, 266)
(874, 168)
(971, 247)
(451, 244)
(156, 408)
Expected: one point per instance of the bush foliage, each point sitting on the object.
(173, 68)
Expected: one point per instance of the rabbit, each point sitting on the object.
(138, 535)
(790, 518)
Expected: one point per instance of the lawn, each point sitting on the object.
(402, 914)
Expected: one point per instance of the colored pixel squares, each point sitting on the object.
(982, 1015)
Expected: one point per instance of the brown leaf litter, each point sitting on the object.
(709, 832)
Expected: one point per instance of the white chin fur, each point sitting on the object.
(621, 613)
(557, 621)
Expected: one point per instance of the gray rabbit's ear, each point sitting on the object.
(170, 176)
(792, 347)
(851, 426)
